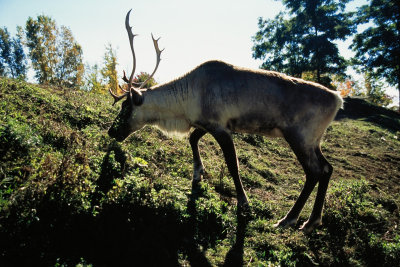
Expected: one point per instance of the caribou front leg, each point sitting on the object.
(225, 141)
(198, 168)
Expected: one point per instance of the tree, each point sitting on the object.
(378, 47)
(142, 77)
(5, 50)
(109, 70)
(93, 79)
(278, 45)
(12, 55)
(18, 65)
(70, 68)
(375, 92)
(56, 56)
(41, 40)
(346, 86)
(302, 39)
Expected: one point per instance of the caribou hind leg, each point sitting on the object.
(198, 168)
(317, 169)
(292, 216)
(326, 170)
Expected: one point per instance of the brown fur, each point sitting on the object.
(219, 98)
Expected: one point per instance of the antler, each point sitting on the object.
(118, 98)
(124, 78)
(158, 53)
(131, 36)
(133, 92)
(127, 81)
(130, 81)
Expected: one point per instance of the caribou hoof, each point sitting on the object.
(309, 226)
(285, 222)
(198, 175)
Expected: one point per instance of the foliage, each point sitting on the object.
(18, 66)
(41, 42)
(142, 77)
(56, 57)
(93, 79)
(375, 91)
(350, 207)
(5, 50)
(378, 47)
(71, 195)
(70, 70)
(346, 86)
(12, 55)
(276, 43)
(109, 70)
(302, 39)
(370, 87)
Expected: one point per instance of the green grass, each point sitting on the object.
(71, 196)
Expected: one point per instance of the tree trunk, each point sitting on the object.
(398, 89)
(398, 85)
(317, 56)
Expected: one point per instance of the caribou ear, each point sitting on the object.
(136, 96)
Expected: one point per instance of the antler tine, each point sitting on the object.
(124, 78)
(117, 98)
(131, 36)
(122, 89)
(127, 81)
(158, 53)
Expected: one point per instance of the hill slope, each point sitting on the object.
(69, 194)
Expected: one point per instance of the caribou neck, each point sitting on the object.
(165, 106)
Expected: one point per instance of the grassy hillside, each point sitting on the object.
(71, 195)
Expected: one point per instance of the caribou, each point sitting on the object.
(219, 99)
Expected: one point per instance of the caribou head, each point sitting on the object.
(126, 121)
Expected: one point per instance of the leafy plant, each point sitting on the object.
(70, 195)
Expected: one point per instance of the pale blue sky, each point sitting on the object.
(191, 31)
